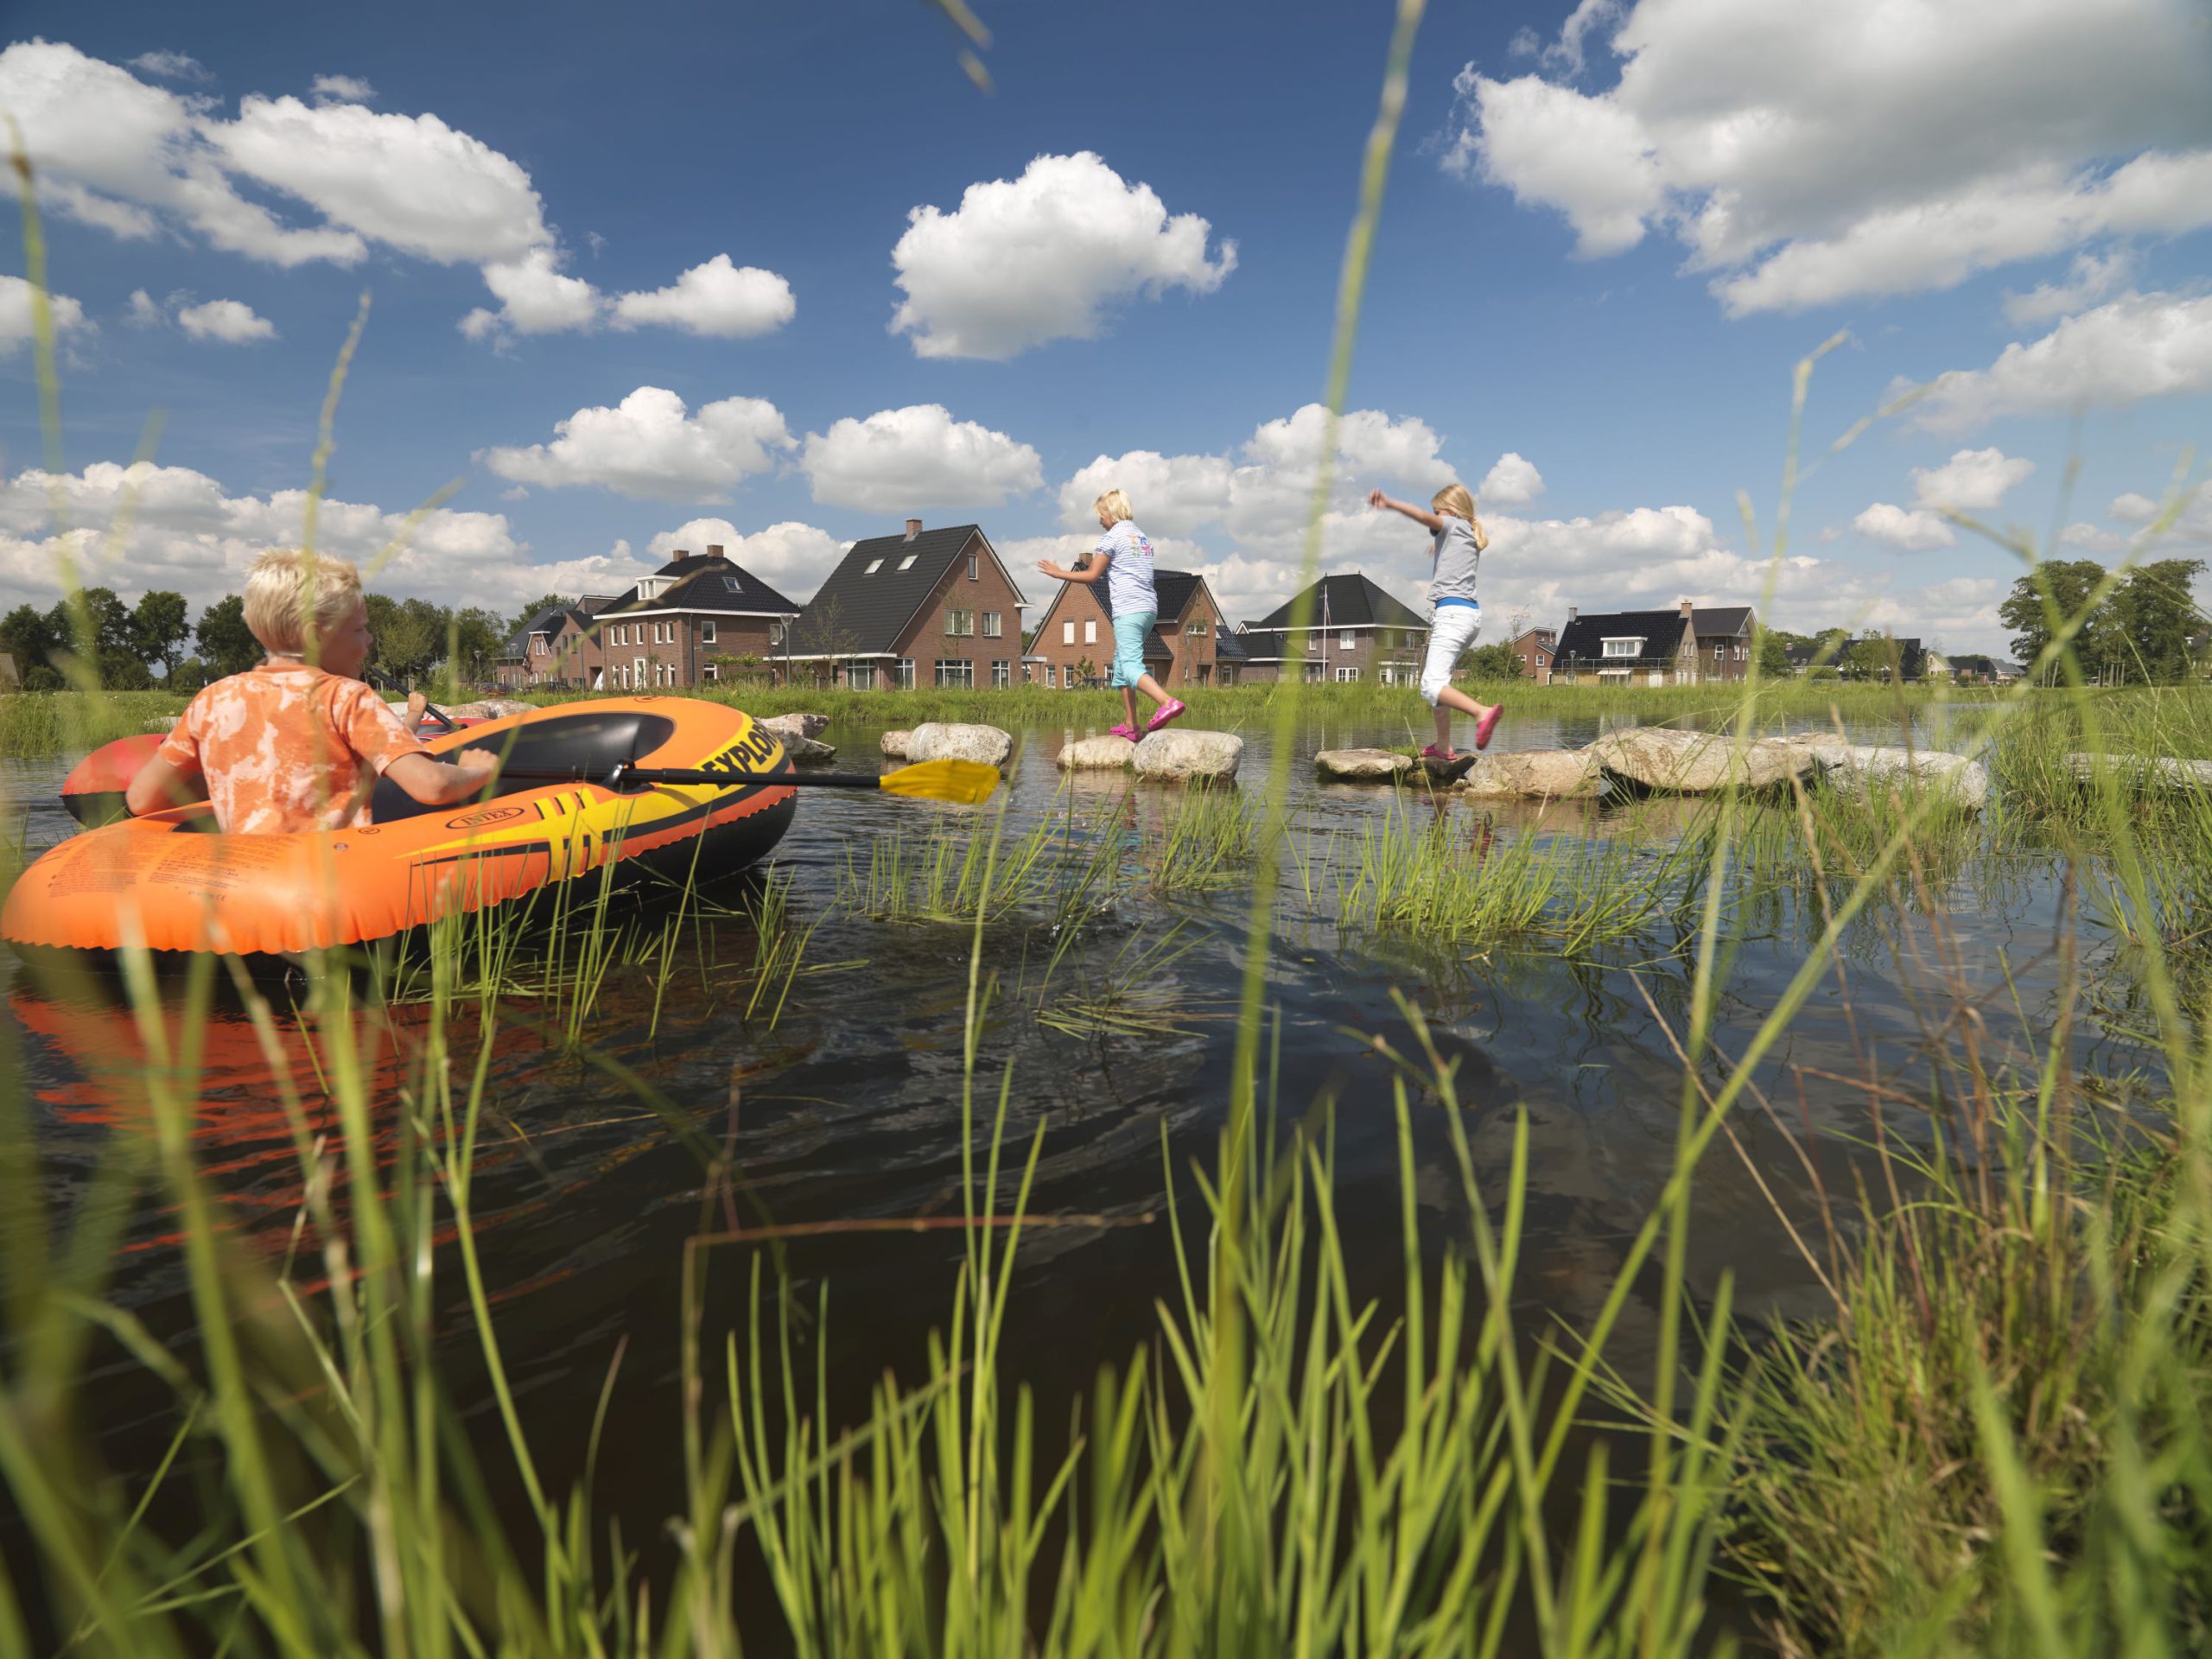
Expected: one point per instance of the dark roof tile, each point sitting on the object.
(711, 585)
(877, 590)
(1348, 601)
(1583, 639)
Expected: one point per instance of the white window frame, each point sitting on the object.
(905, 673)
(992, 619)
(1196, 628)
(1634, 644)
(706, 633)
(637, 670)
(709, 672)
(1346, 676)
(1346, 639)
(1090, 630)
(1067, 677)
(1001, 671)
(907, 563)
(1067, 632)
(975, 567)
(860, 676)
(873, 565)
(962, 674)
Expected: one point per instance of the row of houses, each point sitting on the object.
(939, 607)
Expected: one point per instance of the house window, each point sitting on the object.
(1001, 671)
(1346, 640)
(907, 563)
(775, 634)
(906, 673)
(860, 676)
(1067, 633)
(710, 671)
(1089, 631)
(637, 670)
(537, 645)
(1346, 675)
(959, 623)
(706, 633)
(974, 565)
(1196, 627)
(1624, 647)
(873, 565)
(1312, 673)
(991, 624)
(955, 673)
(1067, 676)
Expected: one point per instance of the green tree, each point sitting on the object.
(409, 635)
(2064, 585)
(28, 634)
(226, 645)
(532, 611)
(160, 625)
(1771, 651)
(2149, 617)
(475, 641)
(1492, 662)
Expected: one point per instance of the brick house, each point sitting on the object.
(927, 607)
(1355, 631)
(1077, 629)
(557, 647)
(667, 633)
(1535, 647)
(1628, 647)
(1726, 635)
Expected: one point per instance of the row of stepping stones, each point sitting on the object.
(1180, 754)
(1662, 760)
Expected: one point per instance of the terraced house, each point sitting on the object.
(1355, 630)
(1074, 639)
(686, 621)
(558, 648)
(927, 607)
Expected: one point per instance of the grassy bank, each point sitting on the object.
(33, 724)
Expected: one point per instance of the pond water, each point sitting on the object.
(848, 1107)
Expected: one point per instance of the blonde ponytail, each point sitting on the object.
(1455, 499)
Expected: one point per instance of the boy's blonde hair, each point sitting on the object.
(1456, 499)
(289, 594)
(1115, 506)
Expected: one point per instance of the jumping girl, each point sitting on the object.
(1456, 618)
(1122, 560)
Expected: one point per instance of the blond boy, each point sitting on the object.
(297, 743)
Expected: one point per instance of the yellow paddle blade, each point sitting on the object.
(965, 782)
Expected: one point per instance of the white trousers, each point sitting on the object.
(1452, 629)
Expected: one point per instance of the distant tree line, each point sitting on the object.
(122, 644)
(2141, 632)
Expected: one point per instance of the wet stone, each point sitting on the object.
(2140, 770)
(893, 745)
(1186, 756)
(941, 740)
(808, 725)
(1362, 765)
(1534, 775)
(1671, 762)
(1105, 753)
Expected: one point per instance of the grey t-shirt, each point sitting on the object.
(1128, 577)
(1457, 555)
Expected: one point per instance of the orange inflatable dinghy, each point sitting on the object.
(173, 881)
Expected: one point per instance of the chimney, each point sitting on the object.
(1687, 609)
(913, 528)
(714, 550)
(682, 554)
(1571, 612)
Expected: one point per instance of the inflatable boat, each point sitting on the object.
(172, 881)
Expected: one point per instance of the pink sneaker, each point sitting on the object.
(1165, 712)
(1487, 724)
(1124, 730)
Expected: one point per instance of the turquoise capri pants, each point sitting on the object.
(1129, 635)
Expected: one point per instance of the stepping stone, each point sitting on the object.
(893, 745)
(1854, 768)
(805, 752)
(1671, 762)
(1534, 775)
(2140, 770)
(941, 740)
(796, 725)
(1104, 753)
(1363, 766)
(1186, 756)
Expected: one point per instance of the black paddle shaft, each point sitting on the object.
(648, 775)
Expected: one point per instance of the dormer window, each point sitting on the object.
(1624, 647)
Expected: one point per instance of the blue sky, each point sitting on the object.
(1612, 230)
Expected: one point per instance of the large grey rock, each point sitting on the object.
(1363, 766)
(486, 709)
(1189, 757)
(805, 752)
(1535, 774)
(797, 725)
(1105, 753)
(942, 740)
(1854, 768)
(1673, 762)
(893, 744)
(2141, 769)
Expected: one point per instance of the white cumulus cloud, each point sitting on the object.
(1511, 482)
(901, 458)
(231, 321)
(1043, 256)
(649, 446)
(717, 298)
(1910, 529)
(2090, 278)
(1971, 481)
(1807, 155)
(341, 89)
(2140, 346)
(16, 318)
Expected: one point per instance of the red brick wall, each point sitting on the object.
(989, 590)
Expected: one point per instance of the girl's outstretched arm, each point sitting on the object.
(1422, 515)
(1096, 573)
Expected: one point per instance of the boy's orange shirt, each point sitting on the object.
(285, 749)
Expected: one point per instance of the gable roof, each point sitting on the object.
(1728, 619)
(872, 611)
(1584, 638)
(1077, 594)
(1348, 601)
(546, 621)
(1256, 645)
(709, 584)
